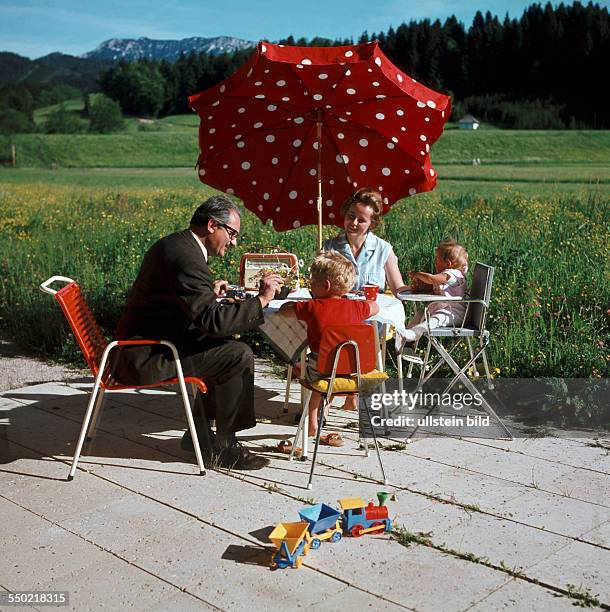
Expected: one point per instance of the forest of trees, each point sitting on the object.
(540, 70)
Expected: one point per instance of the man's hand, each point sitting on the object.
(270, 284)
(220, 287)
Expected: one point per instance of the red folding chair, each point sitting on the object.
(96, 350)
(345, 351)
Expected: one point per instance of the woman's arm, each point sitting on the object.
(393, 275)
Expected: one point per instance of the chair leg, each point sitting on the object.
(96, 413)
(399, 358)
(302, 429)
(460, 375)
(190, 420)
(288, 381)
(475, 372)
(411, 363)
(86, 421)
(317, 444)
(368, 412)
(486, 366)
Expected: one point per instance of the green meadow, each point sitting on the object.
(537, 208)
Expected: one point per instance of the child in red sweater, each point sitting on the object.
(332, 276)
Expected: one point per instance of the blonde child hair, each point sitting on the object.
(450, 250)
(334, 267)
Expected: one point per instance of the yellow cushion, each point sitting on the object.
(347, 384)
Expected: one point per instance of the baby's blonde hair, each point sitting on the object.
(334, 267)
(450, 250)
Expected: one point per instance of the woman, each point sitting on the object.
(373, 257)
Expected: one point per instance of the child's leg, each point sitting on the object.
(351, 403)
(440, 318)
(314, 406)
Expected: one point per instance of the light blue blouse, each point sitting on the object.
(370, 265)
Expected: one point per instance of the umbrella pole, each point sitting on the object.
(319, 137)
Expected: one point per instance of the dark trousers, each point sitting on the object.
(227, 368)
(225, 365)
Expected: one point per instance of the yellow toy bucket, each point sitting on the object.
(291, 533)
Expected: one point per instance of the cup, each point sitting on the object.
(370, 292)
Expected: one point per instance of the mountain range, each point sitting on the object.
(82, 72)
(130, 49)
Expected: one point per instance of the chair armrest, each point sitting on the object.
(136, 342)
(170, 345)
(46, 286)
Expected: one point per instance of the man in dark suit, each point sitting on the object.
(175, 298)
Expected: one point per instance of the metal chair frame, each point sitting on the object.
(327, 399)
(459, 334)
(87, 332)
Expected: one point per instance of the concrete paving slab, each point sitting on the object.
(579, 452)
(530, 471)
(570, 517)
(479, 490)
(181, 602)
(37, 554)
(451, 451)
(42, 487)
(499, 540)
(520, 596)
(125, 521)
(419, 577)
(349, 598)
(578, 564)
(112, 584)
(600, 535)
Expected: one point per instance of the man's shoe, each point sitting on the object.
(186, 444)
(238, 457)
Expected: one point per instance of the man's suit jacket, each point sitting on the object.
(173, 299)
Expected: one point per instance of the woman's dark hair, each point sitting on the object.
(368, 197)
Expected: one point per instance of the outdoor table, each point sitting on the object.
(288, 336)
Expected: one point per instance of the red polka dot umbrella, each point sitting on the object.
(298, 129)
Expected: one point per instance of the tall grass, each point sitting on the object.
(175, 144)
(549, 313)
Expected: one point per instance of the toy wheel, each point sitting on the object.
(357, 530)
(298, 562)
(379, 525)
(282, 564)
(273, 565)
(336, 536)
(315, 543)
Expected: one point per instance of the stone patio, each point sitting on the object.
(488, 525)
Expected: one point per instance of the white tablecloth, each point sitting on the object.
(288, 336)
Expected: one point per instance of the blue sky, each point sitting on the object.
(36, 27)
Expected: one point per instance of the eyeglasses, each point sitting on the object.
(232, 233)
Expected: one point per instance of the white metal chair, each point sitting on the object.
(96, 351)
(473, 327)
(345, 350)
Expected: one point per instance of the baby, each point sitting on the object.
(332, 276)
(451, 264)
